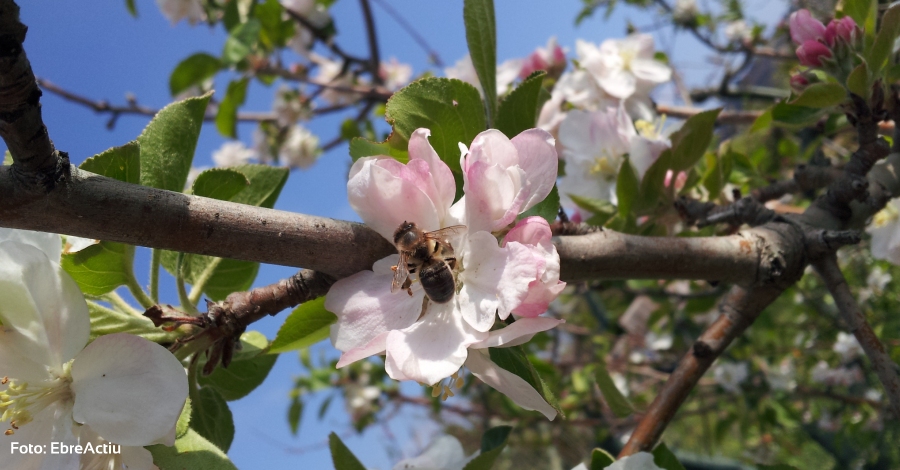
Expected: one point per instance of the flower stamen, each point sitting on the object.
(19, 402)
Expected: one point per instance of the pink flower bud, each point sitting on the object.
(680, 180)
(844, 28)
(805, 28)
(799, 82)
(811, 53)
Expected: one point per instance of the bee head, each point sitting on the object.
(405, 234)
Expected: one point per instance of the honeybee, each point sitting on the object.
(428, 254)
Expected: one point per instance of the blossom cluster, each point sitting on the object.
(57, 387)
(518, 276)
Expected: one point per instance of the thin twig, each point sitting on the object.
(372, 39)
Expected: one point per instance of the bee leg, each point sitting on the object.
(424, 307)
(451, 261)
(406, 285)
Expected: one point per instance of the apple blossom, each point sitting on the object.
(685, 11)
(739, 31)
(464, 70)
(847, 346)
(551, 59)
(288, 106)
(314, 13)
(395, 74)
(623, 67)
(331, 73)
(844, 28)
(844, 376)
(177, 10)
(812, 53)
(534, 232)
(119, 386)
(428, 341)
(885, 231)
(233, 153)
(731, 375)
(300, 148)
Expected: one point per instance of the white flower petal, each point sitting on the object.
(433, 348)
(520, 332)
(638, 461)
(53, 424)
(366, 307)
(651, 70)
(495, 279)
(43, 303)
(49, 243)
(507, 383)
(376, 345)
(444, 453)
(127, 389)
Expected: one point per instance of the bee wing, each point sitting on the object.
(401, 272)
(442, 234)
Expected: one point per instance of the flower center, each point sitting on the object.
(886, 216)
(627, 56)
(650, 129)
(21, 402)
(445, 391)
(606, 165)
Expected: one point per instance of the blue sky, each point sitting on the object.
(100, 51)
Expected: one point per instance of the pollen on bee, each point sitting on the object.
(9, 432)
(394, 268)
(4, 381)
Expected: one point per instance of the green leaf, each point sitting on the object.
(718, 170)
(308, 324)
(226, 117)
(191, 451)
(601, 459)
(821, 95)
(211, 418)
(492, 444)
(266, 183)
(241, 41)
(341, 456)
(780, 466)
(295, 413)
(169, 141)
(519, 111)
(184, 420)
(884, 41)
(691, 141)
(100, 268)
(784, 113)
(514, 360)
(450, 108)
(275, 31)
(106, 321)
(132, 8)
(481, 37)
(858, 81)
(617, 402)
(360, 147)
(627, 188)
(857, 9)
(248, 368)
(219, 183)
(194, 70)
(595, 206)
(764, 121)
(121, 163)
(664, 458)
(548, 208)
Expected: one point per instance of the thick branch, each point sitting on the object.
(738, 311)
(21, 124)
(886, 369)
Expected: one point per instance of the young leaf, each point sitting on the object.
(821, 95)
(601, 459)
(100, 268)
(226, 117)
(121, 163)
(295, 414)
(617, 402)
(519, 110)
(858, 81)
(360, 147)
(627, 187)
(492, 443)
(308, 324)
(665, 459)
(784, 113)
(190, 451)
(857, 9)
(276, 31)
(884, 41)
(106, 321)
(219, 183)
(169, 141)
(241, 41)
(132, 8)
(691, 141)
(211, 418)
(341, 456)
(249, 367)
(548, 208)
(514, 360)
(194, 70)
(481, 37)
(450, 108)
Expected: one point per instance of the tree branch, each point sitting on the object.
(885, 368)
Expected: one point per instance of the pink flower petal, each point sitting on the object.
(420, 148)
(433, 348)
(539, 161)
(507, 383)
(377, 345)
(366, 307)
(804, 27)
(529, 231)
(520, 332)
